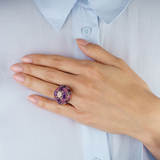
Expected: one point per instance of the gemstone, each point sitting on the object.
(67, 100)
(67, 87)
(69, 96)
(58, 100)
(55, 93)
(65, 90)
(64, 95)
(63, 101)
(60, 89)
(59, 94)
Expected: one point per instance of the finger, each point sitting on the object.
(45, 73)
(40, 86)
(54, 61)
(52, 106)
(97, 53)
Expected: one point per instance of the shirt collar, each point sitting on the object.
(57, 11)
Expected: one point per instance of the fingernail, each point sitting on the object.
(26, 59)
(82, 42)
(33, 99)
(19, 77)
(16, 68)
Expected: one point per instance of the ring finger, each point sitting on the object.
(40, 86)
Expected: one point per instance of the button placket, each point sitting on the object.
(85, 26)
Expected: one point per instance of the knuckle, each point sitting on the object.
(85, 63)
(88, 66)
(146, 86)
(57, 61)
(86, 84)
(84, 119)
(27, 69)
(57, 109)
(92, 70)
(49, 90)
(42, 104)
(36, 59)
(50, 75)
(94, 47)
(29, 83)
(121, 62)
(92, 90)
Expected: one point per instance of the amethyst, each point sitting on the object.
(55, 93)
(58, 100)
(60, 89)
(64, 95)
(67, 100)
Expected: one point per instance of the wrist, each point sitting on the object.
(153, 142)
(150, 127)
(145, 125)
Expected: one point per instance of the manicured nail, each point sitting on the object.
(16, 68)
(82, 42)
(19, 77)
(26, 59)
(33, 99)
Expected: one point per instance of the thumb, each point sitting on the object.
(97, 53)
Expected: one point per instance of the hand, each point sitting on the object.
(107, 94)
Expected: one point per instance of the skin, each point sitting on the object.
(106, 93)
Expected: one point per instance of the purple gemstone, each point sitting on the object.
(58, 100)
(59, 103)
(65, 90)
(67, 100)
(64, 95)
(55, 93)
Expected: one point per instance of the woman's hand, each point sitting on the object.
(107, 94)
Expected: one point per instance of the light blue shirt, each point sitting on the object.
(30, 133)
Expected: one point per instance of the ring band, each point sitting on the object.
(62, 94)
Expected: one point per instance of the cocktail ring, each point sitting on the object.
(62, 94)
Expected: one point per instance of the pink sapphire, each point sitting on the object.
(69, 96)
(63, 101)
(65, 90)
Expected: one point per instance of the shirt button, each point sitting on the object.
(96, 158)
(86, 31)
(85, 1)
